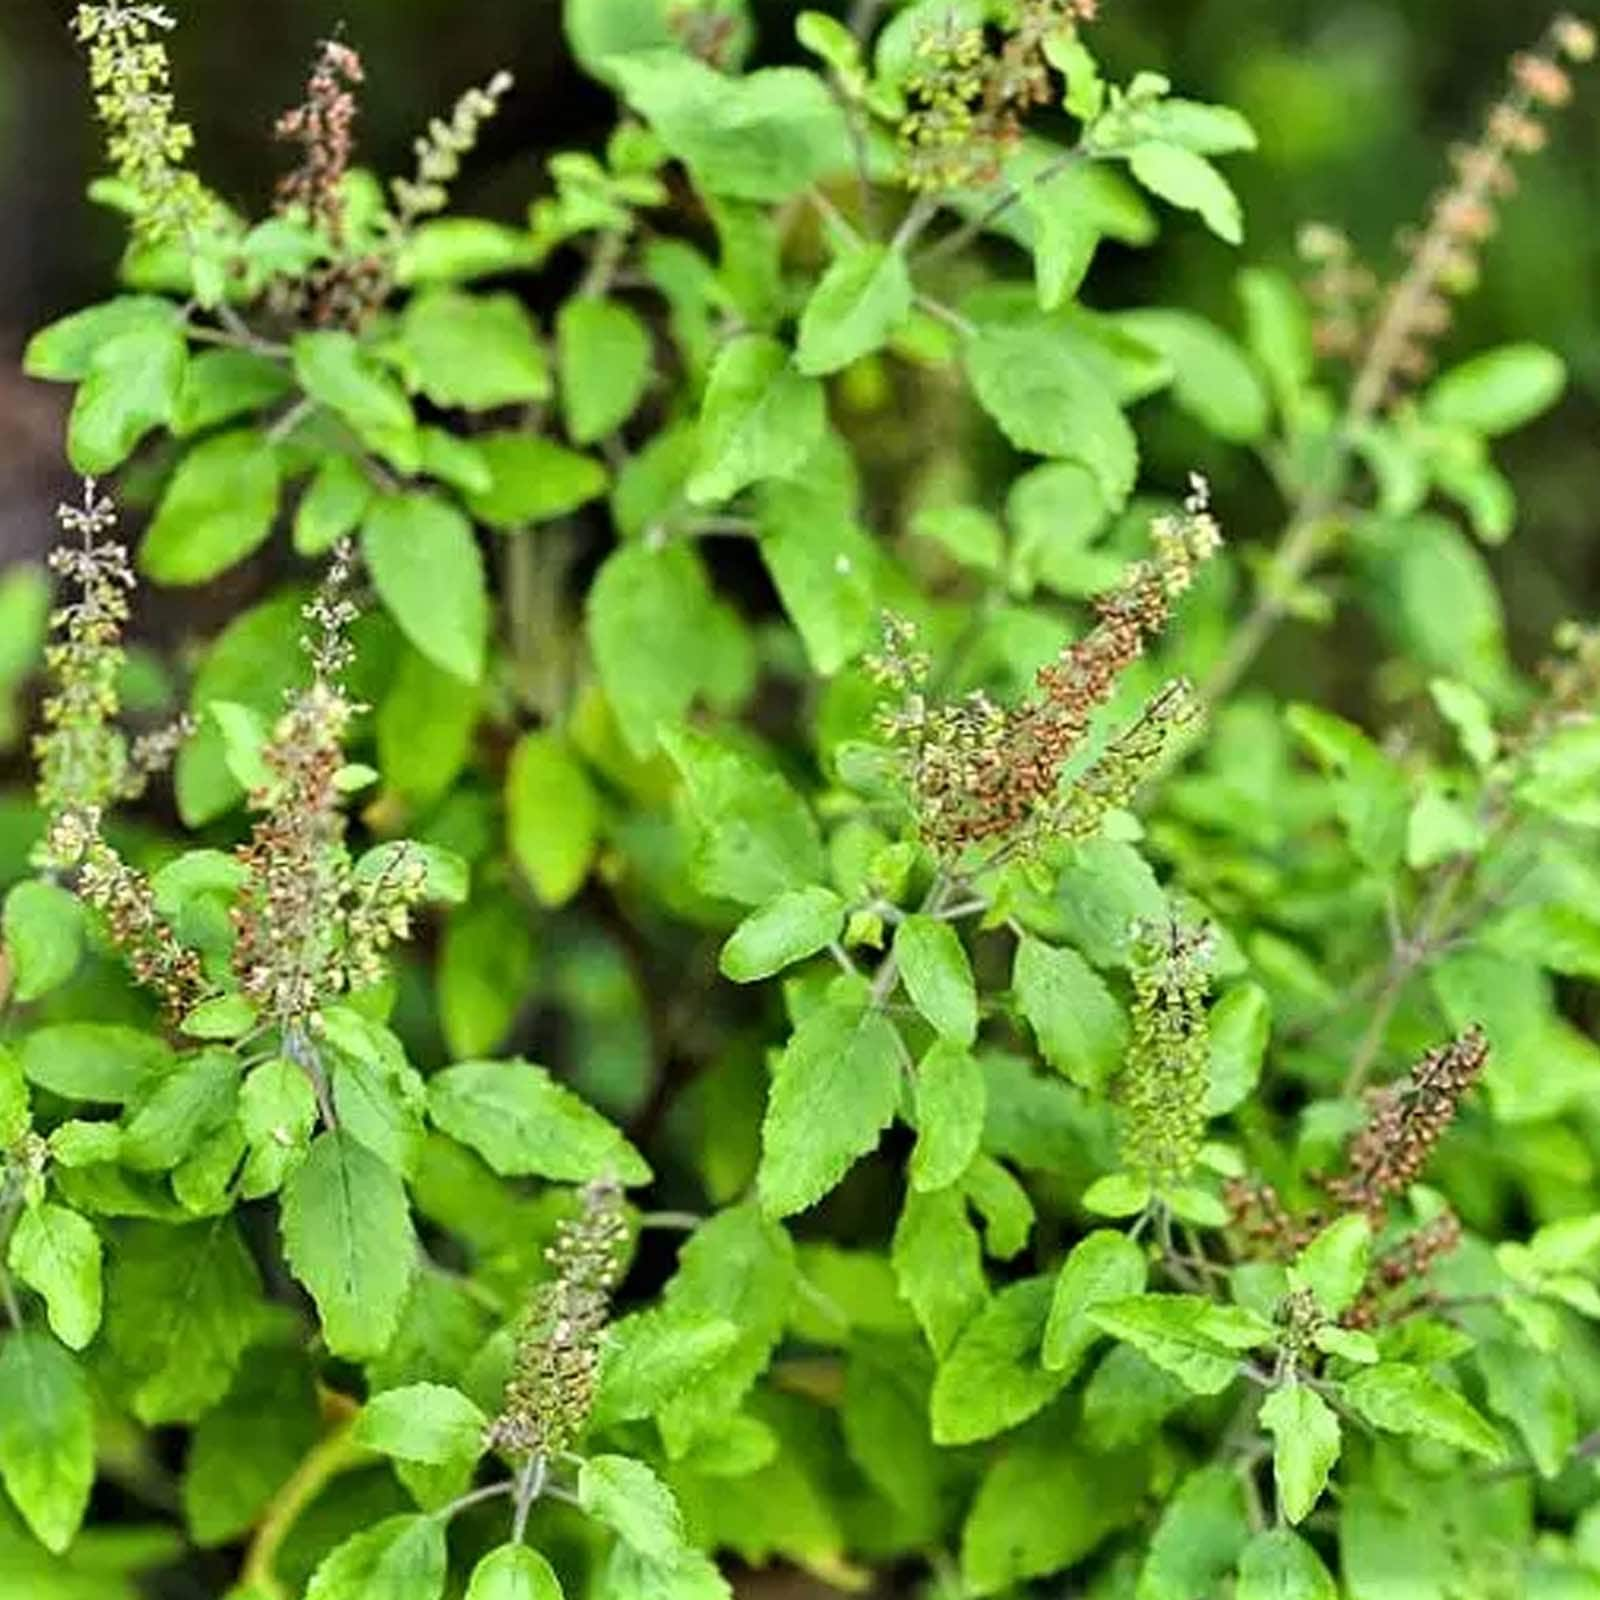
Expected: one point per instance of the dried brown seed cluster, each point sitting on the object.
(557, 1364)
(1407, 1263)
(306, 930)
(969, 102)
(1385, 1156)
(1389, 331)
(345, 290)
(1266, 1228)
(324, 128)
(146, 941)
(979, 771)
(1405, 1122)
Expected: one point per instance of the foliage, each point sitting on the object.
(1022, 1101)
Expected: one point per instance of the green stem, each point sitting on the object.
(335, 1453)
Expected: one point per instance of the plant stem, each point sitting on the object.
(530, 1485)
(678, 1221)
(335, 1453)
(953, 243)
(10, 1210)
(474, 1497)
(863, 17)
(1299, 547)
(1410, 953)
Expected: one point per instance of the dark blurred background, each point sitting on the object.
(1356, 102)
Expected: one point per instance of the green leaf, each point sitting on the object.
(429, 574)
(1305, 1446)
(131, 387)
(859, 302)
(630, 1499)
(428, 1422)
(64, 351)
(459, 249)
(763, 136)
(1118, 1194)
(182, 1305)
(834, 1090)
(243, 1452)
(1048, 394)
(650, 617)
(226, 1016)
(754, 837)
(951, 1101)
(472, 351)
(426, 723)
(938, 977)
(1279, 332)
(761, 418)
(402, 1558)
(1370, 792)
(1498, 391)
(1004, 1205)
(1407, 1400)
(605, 353)
(938, 1263)
(651, 1356)
(1530, 1390)
(347, 1236)
(1042, 1507)
(992, 1379)
(246, 663)
(334, 369)
(1102, 1266)
(514, 1572)
(1434, 596)
(796, 924)
(823, 564)
(1280, 1565)
(100, 1061)
(166, 1122)
(738, 1267)
(1067, 230)
(222, 385)
(15, 1119)
(1241, 1024)
(486, 972)
(1468, 713)
(522, 1122)
(968, 535)
(46, 1436)
(552, 816)
(533, 480)
(1178, 1333)
(1079, 1025)
(1213, 381)
(1200, 1537)
(57, 1253)
(1334, 1265)
(1189, 181)
(277, 1112)
(43, 931)
(332, 507)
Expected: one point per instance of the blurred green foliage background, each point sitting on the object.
(1356, 101)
